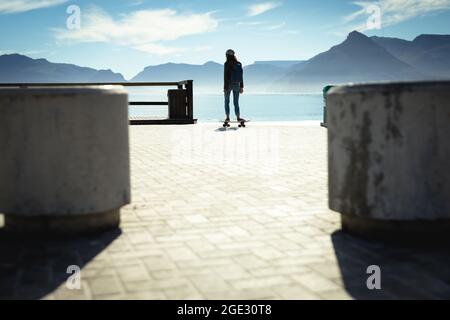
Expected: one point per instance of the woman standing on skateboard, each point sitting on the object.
(233, 81)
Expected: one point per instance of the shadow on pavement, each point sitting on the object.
(226, 129)
(406, 272)
(31, 269)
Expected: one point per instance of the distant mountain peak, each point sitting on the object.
(355, 35)
(432, 40)
(210, 63)
(16, 57)
(357, 41)
(435, 36)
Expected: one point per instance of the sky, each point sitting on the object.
(128, 35)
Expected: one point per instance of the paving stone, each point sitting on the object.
(268, 253)
(335, 295)
(246, 294)
(220, 221)
(188, 292)
(295, 292)
(262, 282)
(209, 283)
(181, 253)
(181, 273)
(105, 285)
(92, 271)
(196, 219)
(145, 295)
(251, 261)
(159, 263)
(63, 293)
(155, 285)
(232, 272)
(287, 270)
(315, 282)
(136, 272)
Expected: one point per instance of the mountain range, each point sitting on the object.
(16, 68)
(429, 54)
(357, 59)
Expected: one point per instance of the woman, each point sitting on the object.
(233, 81)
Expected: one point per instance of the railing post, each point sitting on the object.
(190, 99)
(325, 91)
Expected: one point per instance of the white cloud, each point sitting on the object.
(142, 30)
(29, 53)
(135, 2)
(153, 48)
(250, 23)
(16, 6)
(260, 8)
(203, 49)
(275, 26)
(168, 50)
(6, 52)
(394, 11)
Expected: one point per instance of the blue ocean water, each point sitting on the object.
(257, 107)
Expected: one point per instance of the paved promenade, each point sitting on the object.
(236, 214)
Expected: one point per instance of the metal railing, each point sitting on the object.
(181, 85)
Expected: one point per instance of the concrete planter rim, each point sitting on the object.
(63, 90)
(65, 166)
(390, 87)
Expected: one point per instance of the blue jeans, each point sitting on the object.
(235, 87)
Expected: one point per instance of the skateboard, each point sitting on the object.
(242, 124)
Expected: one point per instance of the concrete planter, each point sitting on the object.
(64, 164)
(389, 157)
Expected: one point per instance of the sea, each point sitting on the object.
(209, 107)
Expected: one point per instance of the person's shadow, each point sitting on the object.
(405, 272)
(33, 268)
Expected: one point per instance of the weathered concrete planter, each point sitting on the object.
(64, 164)
(389, 158)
